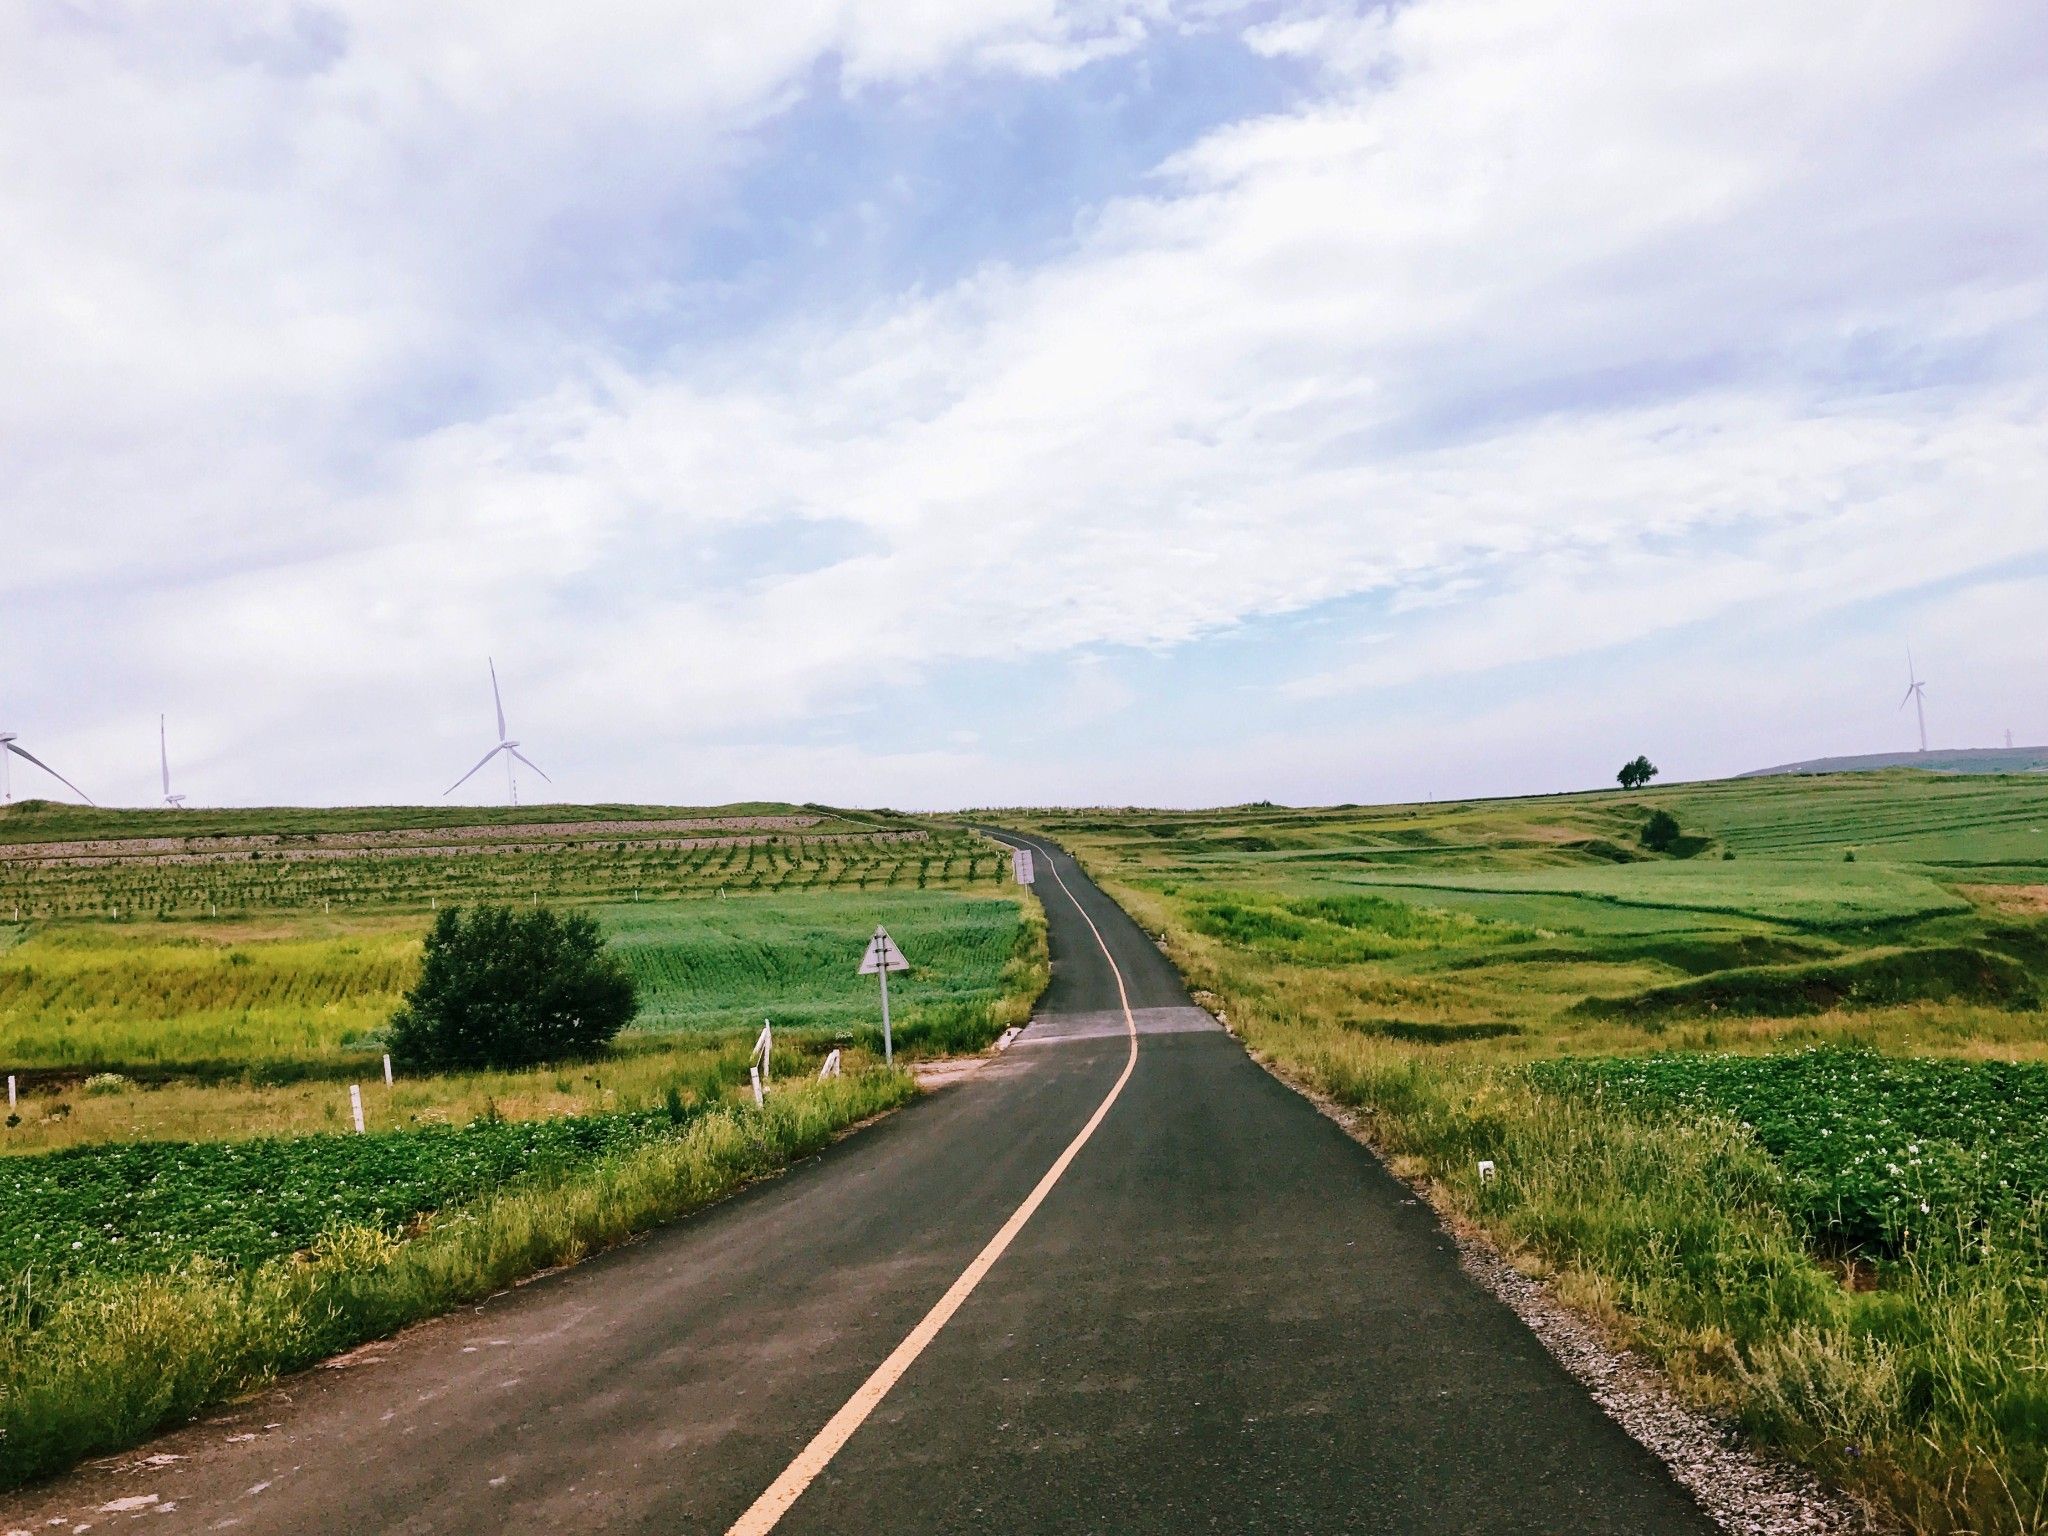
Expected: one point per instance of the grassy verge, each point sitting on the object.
(103, 1362)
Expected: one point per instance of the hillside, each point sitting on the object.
(1960, 760)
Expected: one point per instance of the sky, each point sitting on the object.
(939, 403)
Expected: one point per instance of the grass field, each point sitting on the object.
(289, 992)
(187, 1211)
(1719, 1088)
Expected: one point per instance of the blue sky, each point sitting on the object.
(1017, 401)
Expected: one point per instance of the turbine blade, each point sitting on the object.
(1907, 699)
(472, 772)
(53, 773)
(495, 699)
(528, 761)
(163, 753)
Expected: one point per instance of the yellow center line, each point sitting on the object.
(775, 1502)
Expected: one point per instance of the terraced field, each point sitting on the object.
(62, 862)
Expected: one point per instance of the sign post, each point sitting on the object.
(1020, 861)
(883, 957)
(355, 1104)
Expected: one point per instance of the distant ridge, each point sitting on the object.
(1962, 760)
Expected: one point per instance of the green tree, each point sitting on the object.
(503, 987)
(1660, 832)
(1634, 775)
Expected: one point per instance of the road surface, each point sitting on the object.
(1222, 1315)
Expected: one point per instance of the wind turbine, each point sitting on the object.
(10, 744)
(163, 750)
(505, 745)
(1916, 696)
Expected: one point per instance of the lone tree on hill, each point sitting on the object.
(505, 988)
(1636, 774)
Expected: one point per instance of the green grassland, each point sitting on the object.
(189, 1214)
(293, 995)
(251, 1023)
(1718, 1086)
(730, 964)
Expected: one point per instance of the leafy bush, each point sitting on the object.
(504, 988)
(1660, 832)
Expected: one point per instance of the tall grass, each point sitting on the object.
(100, 1365)
(722, 964)
(92, 995)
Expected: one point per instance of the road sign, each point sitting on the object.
(883, 957)
(882, 952)
(1020, 861)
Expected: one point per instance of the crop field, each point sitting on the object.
(1958, 823)
(1886, 1155)
(186, 999)
(730, 964)
(154, 1206)
(1719, 1084)
(60, 862)
(202, 1299)
(118, 997)
(313, 993)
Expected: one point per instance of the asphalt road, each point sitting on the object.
(1224, 1316)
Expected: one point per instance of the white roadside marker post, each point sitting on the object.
(881, 958)
(831, 1067)
(764, 1047)
(387, 1069)
(755, 1074)
(1487, 1172)
(10, 1090)
(355, 1105)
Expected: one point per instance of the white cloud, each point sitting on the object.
(1551, 321)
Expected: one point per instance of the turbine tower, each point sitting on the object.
(1916, 696)
(10, 746)
(505, 745)
(163, 752)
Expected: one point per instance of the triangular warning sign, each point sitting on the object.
(882, 955)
